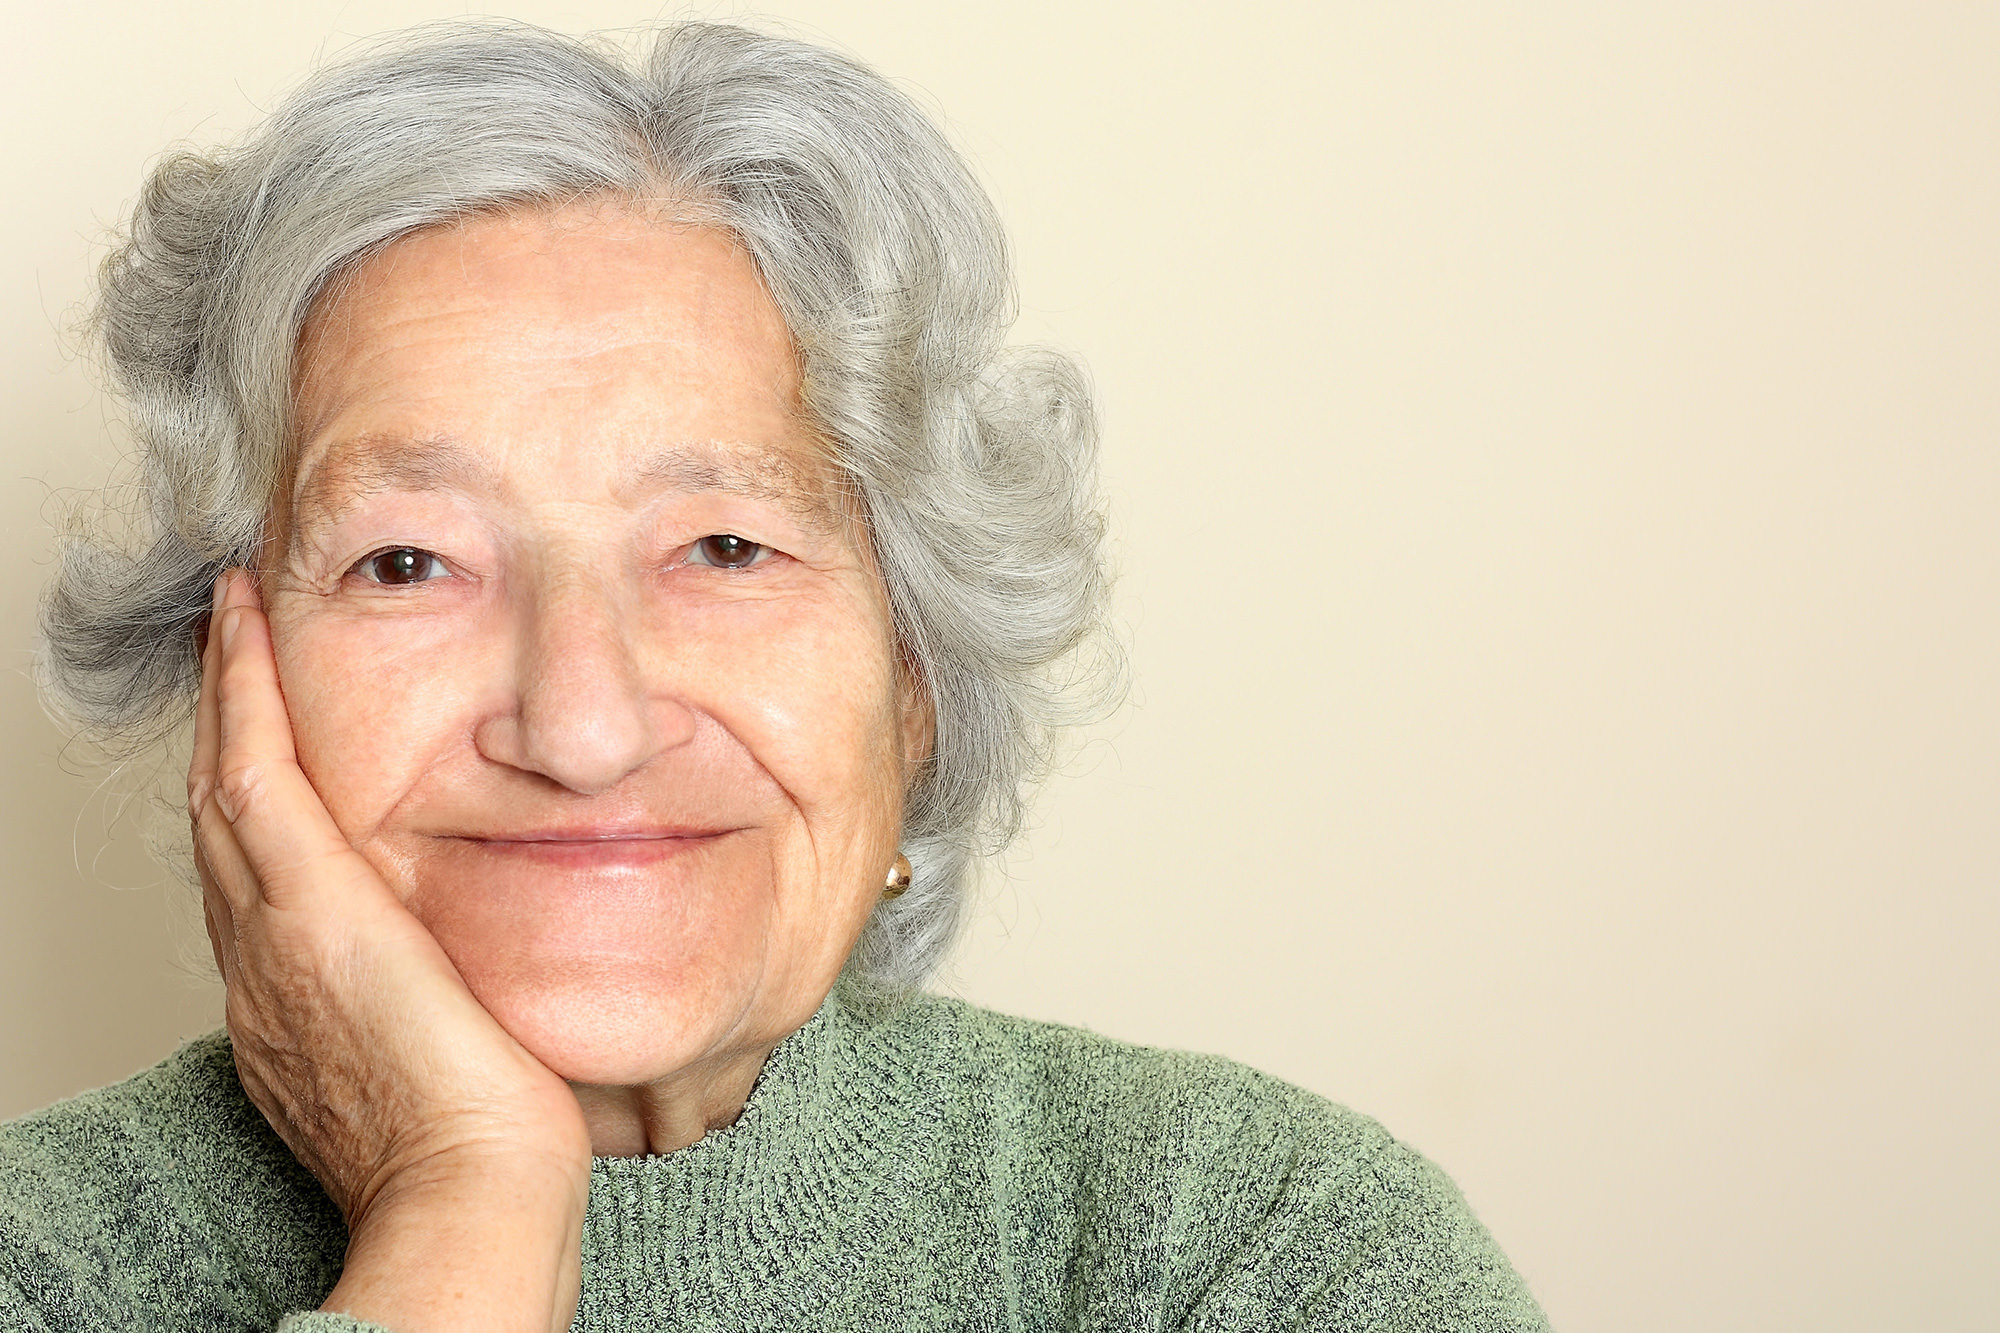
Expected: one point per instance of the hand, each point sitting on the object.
(460, 1162)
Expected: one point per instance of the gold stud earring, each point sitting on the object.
(899, 878)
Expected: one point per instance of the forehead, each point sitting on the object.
(583, 342)
(335, 478)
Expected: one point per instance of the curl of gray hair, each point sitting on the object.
(975, 464)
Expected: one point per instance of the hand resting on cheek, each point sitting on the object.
(441, 1140)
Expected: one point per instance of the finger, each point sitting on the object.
(220, 920)
(201, 766)
(277, 819)
(249, 699)
(219, 858)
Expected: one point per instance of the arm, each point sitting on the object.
(460, 1163)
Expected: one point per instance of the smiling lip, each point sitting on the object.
(597, 846)
(587, 834)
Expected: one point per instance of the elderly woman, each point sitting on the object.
(622, 584)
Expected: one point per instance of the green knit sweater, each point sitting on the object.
(919, 1166)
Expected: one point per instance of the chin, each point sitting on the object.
(618, 976)
(613, 1025)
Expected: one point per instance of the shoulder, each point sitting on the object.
(166, 1192)
(1191, 1110)
(70, 1169)
(70, 1138)
(1256, 1196)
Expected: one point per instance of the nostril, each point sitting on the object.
(584, 710)
(590, 755)
(586, 739)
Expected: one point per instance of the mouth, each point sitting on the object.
(597, 846)
(602, 833)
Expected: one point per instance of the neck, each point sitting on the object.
(669, 1113)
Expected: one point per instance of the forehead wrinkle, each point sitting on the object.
(375, 463)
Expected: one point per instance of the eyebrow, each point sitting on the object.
(809, 494)
(374, 464)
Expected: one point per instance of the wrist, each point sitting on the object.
(468, 1245)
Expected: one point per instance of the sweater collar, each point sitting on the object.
(810, 1177)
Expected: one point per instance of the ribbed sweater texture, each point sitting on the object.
(915, 1165)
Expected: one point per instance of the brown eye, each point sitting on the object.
(404, 564)
(726, 550)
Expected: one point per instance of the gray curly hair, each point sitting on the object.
(975, 463)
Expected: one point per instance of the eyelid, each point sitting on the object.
(360, 566)
(764, 551)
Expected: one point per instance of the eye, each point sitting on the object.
(401, 564)
(726, 550)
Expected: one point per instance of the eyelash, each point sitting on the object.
(759, 552)
(436, 567)
(362, 567)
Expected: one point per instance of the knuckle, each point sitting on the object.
(239, 787)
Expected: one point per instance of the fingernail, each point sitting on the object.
(223, 803)
(229, 619)
(215, 593)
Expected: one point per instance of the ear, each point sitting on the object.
(919, 716)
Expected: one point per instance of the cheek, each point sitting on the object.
(373, 708)
(814, 701)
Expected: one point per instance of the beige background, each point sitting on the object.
(1553, 457)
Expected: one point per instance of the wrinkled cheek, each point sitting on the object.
(366, 716)
(823, 717)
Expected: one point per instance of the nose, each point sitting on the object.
(584, 714)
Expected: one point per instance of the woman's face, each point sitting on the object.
(580, 638)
